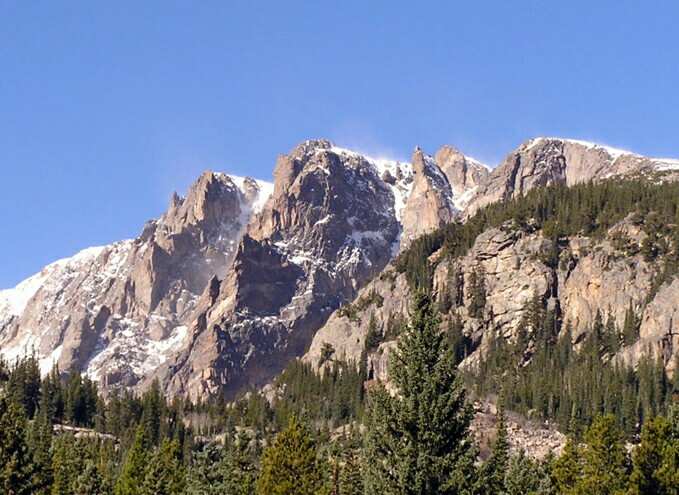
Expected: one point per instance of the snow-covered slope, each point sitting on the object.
(116, 312)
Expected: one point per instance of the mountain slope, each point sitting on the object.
(543, 161)
(116, 312)
(235, 279)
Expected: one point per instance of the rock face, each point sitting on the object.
(591, 277)
(543, 161)
(117, 312)
(430, 204)
(464, 174)
(238, 277)
(331, 224)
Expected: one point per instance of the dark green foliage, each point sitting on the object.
(630, 327)
(605, 461)
(554, 382)
(458, 341)
(374, 335)
(653, 458)
(134, 468)
(24, 384)
(336, 395)
(17, 471)
(526, 476)
(238, 467)
(291, 466)
(40, 443)
(589, 209)
(81, 400)
(351, 310)
(327, 350)
(477, 289)
(203, 477)
(495, 468)
(418, 441)
(165, 473)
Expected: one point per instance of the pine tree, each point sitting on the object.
(204, 476)
(648, 457)
(16, 465)
(351, 474)
(290, 466)
(66, 464)
(89, 481)
(238, 467)
(495, 468)
(477, 289)
(523, 476)
(165, 473)
(667, 473)
(373, 336)
(418, 442)
(605, 463)
(630, 327)
(567, 468)
(133, 470)
(40, 442)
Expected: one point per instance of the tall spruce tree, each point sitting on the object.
(238, 467)
(133, 472)
(605, 462)
(16, 464)
(418, 441)
(291, 466)
(648, 457)
(165, 474)
(495, 469)
(204, 476)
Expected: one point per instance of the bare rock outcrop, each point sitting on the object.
(118, 312)
(544, 161)
(430, 204)
(591, 277)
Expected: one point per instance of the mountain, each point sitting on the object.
(237, 270)
(543, 161)
(237, 278)
(117, 312)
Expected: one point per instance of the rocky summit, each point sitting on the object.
(241, 276)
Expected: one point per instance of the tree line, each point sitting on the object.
(413, 438)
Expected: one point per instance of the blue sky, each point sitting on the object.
(107, 107)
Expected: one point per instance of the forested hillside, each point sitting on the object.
(417, 441)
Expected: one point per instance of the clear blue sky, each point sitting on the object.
(107, 107)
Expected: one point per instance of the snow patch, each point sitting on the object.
(665, 164)
(401, 171)
(264, 190)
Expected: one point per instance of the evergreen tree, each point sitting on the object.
(605, 463)
(567, 468)
(373, 337)
(418, 442)
(524, 476)
(24, 384)
(16, 466)
(133, 470)
(350, 479)
(495, 469)
(648, 457)
(40, 441)
(165, 474)
(667, 473)
(89, 481)
(66, 465)
(204, 476)
(477, 289)
(238, 467)
(290, 466)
